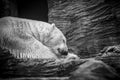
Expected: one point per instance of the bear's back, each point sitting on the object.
(23, 22)
(17, 35)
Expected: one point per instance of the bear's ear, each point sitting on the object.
(53, 25)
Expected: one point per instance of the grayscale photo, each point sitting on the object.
(59, 40)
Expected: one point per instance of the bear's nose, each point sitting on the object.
(63, 52)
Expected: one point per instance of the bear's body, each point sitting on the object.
(26, 38)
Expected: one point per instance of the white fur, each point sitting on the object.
(31, 39)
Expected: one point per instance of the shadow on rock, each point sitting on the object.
(94, 70)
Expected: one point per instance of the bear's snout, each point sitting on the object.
(63, 51)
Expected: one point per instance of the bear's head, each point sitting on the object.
(56, 41)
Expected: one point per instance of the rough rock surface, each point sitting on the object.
(94, 70)
(12, 67)
(32, 69)
(111, 56)
(89, 25)
(49, 69)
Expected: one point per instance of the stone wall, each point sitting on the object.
(89, 25)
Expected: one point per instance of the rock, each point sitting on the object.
(110, 51)
(94, 70)
(11, 67)
(111, 56)
(89, 25)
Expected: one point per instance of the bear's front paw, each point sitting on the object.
(71, 57)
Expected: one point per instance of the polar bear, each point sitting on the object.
(26, 38)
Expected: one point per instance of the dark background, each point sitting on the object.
(31, 9)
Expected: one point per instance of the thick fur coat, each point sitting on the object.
(26, 38)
